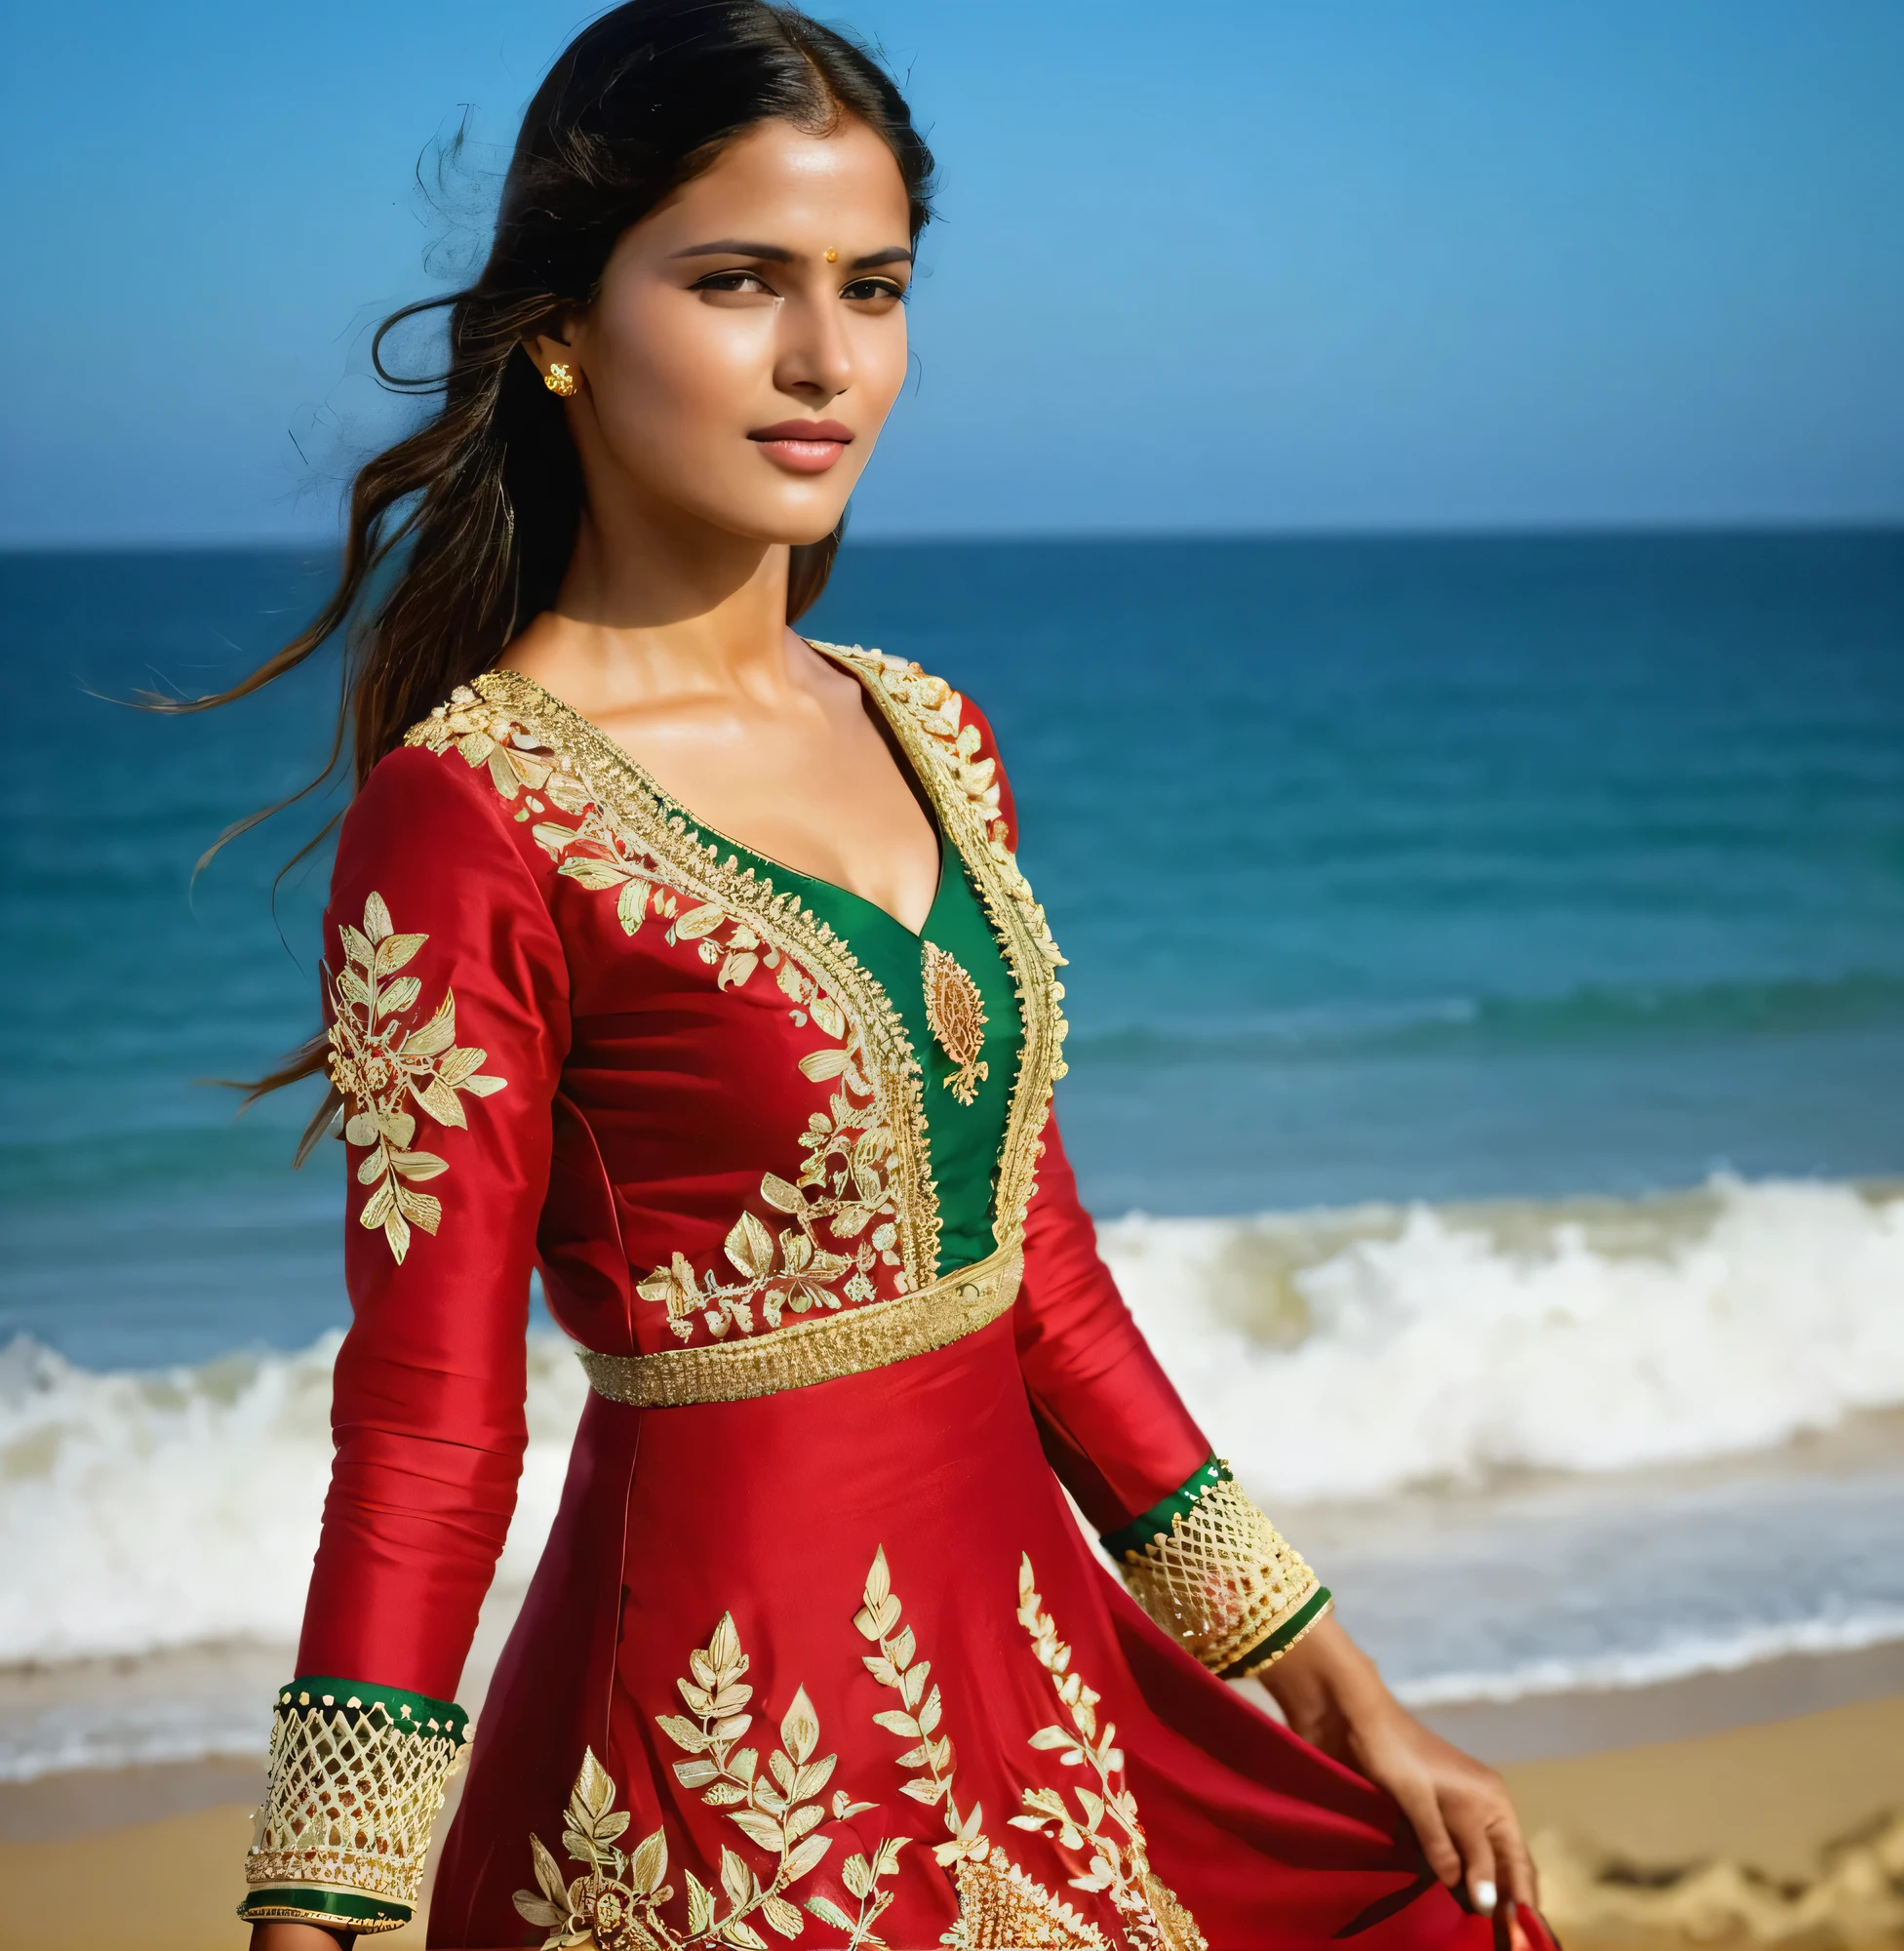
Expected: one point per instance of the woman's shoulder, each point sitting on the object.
(463, 780)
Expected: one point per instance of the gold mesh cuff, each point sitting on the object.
(356, 1780)
(1225, 1583)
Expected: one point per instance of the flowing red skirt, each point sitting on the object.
(771, 1511)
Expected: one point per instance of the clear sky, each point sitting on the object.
(1218, 263)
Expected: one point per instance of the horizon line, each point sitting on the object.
(1676, 527)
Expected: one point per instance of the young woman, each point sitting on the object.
(687, 961)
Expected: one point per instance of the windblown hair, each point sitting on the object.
(479, 507)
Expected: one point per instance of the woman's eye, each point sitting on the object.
(884, 288)
(750, 282)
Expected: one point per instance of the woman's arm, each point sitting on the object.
(447, 993)
(1195, 1547)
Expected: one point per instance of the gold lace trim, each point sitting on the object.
(925, 714)
(353, 1793)
(820, 1348)
(1222, 1579)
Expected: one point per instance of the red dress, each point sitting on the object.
(818, 1646)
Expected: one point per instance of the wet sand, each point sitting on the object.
(1768, 1807)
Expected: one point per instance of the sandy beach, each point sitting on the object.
(1770, 1812)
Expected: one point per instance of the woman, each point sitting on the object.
(687, 961)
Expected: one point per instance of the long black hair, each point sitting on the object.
(484, 498)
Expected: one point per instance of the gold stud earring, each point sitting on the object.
(560, 380)
(832, 256)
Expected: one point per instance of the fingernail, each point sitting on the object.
(1483, 1893)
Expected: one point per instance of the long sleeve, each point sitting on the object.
(1197, 1553)
(446, 993)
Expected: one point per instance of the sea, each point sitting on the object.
(1486, 988)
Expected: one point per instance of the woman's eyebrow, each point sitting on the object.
(738, 247)
(778, 253)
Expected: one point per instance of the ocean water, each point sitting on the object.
(1488, 1071)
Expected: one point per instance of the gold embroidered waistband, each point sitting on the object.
(820, 1349)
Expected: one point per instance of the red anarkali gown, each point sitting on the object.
(816, 1647)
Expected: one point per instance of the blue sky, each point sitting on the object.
(1241, 264)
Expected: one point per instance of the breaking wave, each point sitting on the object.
(1335, 1354)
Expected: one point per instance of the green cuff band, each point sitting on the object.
(416, 1713)
(1291, 1629)
(285, 1902)
(1162, 1517)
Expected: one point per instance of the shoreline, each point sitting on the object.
(1524, 1735)
(1757, 1806)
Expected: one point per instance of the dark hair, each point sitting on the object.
(484, 498)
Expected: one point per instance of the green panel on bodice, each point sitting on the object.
(964, 1140)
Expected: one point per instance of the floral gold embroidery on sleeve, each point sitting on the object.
(382, 1062)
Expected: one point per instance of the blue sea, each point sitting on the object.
(1487, 992)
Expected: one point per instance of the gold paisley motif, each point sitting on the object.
(956, 1011)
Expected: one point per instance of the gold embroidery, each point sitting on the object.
(354, 1789)
(617, 1904)
(1222, 1579)
(1000, 1906)
(846, 1182)
(818, 1350)
(925, 714)
(651, 825)
(535, 747)
(378, 1059)
(1119, 1866)
(1002, 1909)
(957, 1013)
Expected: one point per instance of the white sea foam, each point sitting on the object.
(1345, 1354)
(166, 1509)
(1675, 1658)
(1333, 1355)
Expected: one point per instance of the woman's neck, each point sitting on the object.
(649, 610)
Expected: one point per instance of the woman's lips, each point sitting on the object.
(803, 446)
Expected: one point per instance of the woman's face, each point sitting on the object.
(749, 338)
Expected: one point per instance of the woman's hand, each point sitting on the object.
(1332, 1695)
